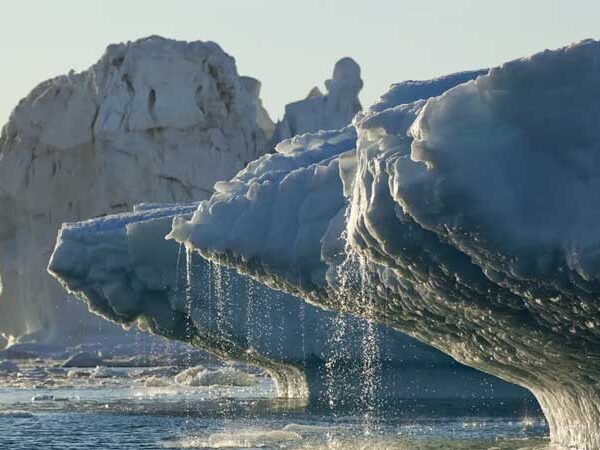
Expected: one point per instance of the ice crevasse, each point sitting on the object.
(471, 224)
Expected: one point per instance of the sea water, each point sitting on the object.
(47, 407)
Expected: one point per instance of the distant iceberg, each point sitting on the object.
(330, 111)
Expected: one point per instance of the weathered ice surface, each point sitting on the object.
(471, 225)
(153, 120)
(330, 111)
(125, 270)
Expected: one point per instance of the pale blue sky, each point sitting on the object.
(290, 45)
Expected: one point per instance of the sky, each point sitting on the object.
(290, 46)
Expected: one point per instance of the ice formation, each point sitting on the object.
(470, 225)
(331, 111)
(125, 270)
(153, 120)
(83, 359)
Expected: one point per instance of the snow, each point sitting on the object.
(470, 224)
(155, 120)
(331, 111)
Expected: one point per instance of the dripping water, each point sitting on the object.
(370, 351)
(188, 293)
(188, 316)
(303, 332)
(216, 270)
(280, 316)
(338, 348)
(250, 320)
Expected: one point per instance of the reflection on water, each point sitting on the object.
(147, 408)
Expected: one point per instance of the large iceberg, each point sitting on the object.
(470, 224)
(125, 270)
(154, 120)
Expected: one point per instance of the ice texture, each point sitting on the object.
(471, 224)
(155, 120)
(125, 270)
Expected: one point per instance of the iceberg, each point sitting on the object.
(125, 270)
(330, 111)
(470, 224)
(155, 120)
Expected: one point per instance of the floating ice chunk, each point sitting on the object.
(188, 375)
(244, 439)
(156, 382)
(78, 373)
(52, 398)
(7, 367)
(84, 359)
(107, 372)
(227, 376)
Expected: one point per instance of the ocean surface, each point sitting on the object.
(48, 407)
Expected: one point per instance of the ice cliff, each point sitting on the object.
(154, 120)
(470, 224)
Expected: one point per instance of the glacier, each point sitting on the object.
(155, 120)
(468, 223)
